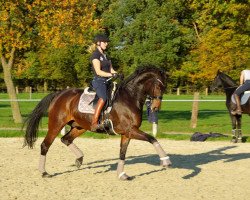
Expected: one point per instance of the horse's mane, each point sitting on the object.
(226, 78)
(126, 84)
(141, 70)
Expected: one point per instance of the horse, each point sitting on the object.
(125, 115)
(229, 86)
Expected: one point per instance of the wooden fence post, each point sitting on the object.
(178, 91)
(30, 92)
(195, 110)
(206, 91)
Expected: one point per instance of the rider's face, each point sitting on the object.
(103, 45)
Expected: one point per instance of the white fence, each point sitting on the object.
(154, 126)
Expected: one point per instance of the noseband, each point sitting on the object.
(156, 97)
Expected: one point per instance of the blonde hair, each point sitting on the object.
(92, 48)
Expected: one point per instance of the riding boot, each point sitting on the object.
(94, 125)
(238, 110)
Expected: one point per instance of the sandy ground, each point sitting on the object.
(201, 170)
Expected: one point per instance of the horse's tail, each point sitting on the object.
(33, 120)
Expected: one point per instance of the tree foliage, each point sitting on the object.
(192, 39)
(148, 32)
(223, 42)
(16, 25)
(35, 25)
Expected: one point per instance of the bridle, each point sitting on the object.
(152, 97)
(225, 88)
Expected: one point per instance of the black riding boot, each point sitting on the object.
(238, 110)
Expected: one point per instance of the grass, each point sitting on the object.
(174, 118)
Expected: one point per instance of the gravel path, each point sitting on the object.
(201, 170)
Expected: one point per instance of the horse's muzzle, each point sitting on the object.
(155, 106)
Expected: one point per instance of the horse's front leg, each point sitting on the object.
(239, 133)
(120, 167)
(140, 135)
(234, 128)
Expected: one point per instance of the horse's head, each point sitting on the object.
(155, 93)
(217, 82)
(223, 80)
(154, 87)
(145, 82)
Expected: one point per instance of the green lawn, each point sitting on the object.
(174, 117)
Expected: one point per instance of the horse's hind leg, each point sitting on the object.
(120, 167)
(48, 140)
(68, 141)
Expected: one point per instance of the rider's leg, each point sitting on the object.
(98, 109)
(238, 110)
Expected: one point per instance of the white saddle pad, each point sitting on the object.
(244, 98)
(84, 105)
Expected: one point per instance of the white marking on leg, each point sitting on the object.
(75, 150)
(121, 174)
(42, 161)
(165, 158)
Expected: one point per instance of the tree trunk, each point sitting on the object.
(10, 87)
(45, 86)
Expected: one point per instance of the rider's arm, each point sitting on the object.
(242, 78)
(98, 71)
(112, 69)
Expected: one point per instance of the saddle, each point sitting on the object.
(88, 100)
(244, 98)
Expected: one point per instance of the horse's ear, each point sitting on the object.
(218, 72)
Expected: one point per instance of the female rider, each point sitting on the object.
(102, 68)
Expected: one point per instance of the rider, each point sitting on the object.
(102, 68)
(244, 85)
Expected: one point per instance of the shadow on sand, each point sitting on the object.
(190, 162)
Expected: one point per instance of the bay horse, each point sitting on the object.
(229, 86)
(126, 117)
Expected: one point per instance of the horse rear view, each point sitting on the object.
(125, 117)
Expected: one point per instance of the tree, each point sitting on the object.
(16, 24)
(66, 29)
(222, 40)
(37, 24)
(148, 32)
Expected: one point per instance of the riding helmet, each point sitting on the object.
(101, 38)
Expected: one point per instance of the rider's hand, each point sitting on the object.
(114, 75)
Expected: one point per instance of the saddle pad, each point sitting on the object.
(84, 105)
(244, 98)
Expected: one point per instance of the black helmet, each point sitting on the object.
(101, 38)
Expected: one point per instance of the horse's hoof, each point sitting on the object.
(79, 162)
(166, 163)
(167, 166)
(234, 140)
(125, 177)
(46, 175)
(239, 140)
